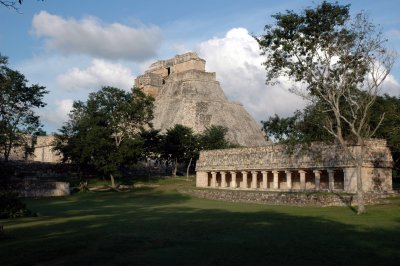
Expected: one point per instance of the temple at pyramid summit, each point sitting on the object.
(186, 94)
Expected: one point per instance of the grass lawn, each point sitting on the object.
(158, 226)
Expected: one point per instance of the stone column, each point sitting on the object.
(233, 180)
(317, 176)
(264, 179)
(289, 179)
(223, 179)
(213, 179)
(302, 179)
(276, 180)
(253, 179)
(331, 174)
(244, 183)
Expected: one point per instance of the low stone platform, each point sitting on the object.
(39, 188)
(317, 199)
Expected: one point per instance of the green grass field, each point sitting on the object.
(159, 226)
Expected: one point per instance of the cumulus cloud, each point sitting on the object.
(59, 113)
(236, 60)
(391, 86)
(100, 73)
(92, 37)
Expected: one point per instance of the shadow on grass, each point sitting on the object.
(148, 227)
(347, 201)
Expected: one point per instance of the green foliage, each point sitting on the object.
(104, 132)
(332, 54)
(214, 137)
(295, 42)
(179, 145)
(12, 207)
(18, 103)
(390, 126)
(281, 129)
(152, 143)
(303, 127)
(389, 129)
(177, 142)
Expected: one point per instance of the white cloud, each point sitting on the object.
(100, 73)
(90, 36)
(59, 113)
(391, 86)
(236, 60)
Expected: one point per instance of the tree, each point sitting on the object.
(282, 129)
(302, 127)
(18, 103)
(341, 61)
(214, 137)
(179, 146)
(152, 141)
(390, 127)
(11, 4)
(105, 131)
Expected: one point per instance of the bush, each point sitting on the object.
(12, 207)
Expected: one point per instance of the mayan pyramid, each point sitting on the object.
(186, 94)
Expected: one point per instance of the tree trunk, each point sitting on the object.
(5, 156)
(187, 169)
(7, 148)
(112, 181)
(360, 193)
(7, 151)
(174, 167)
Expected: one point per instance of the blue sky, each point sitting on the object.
(75, 47)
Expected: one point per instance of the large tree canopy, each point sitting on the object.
(104, 131)
(303, 126)
(18, 103)
(179, 146)
(341, 62)
(214, 137)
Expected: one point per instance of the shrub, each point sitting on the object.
(11, 206)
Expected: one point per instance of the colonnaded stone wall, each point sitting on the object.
(277, 167)
(186, 94)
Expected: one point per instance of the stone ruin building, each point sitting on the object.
(186, 94)
(275, 168)
(42, 152)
